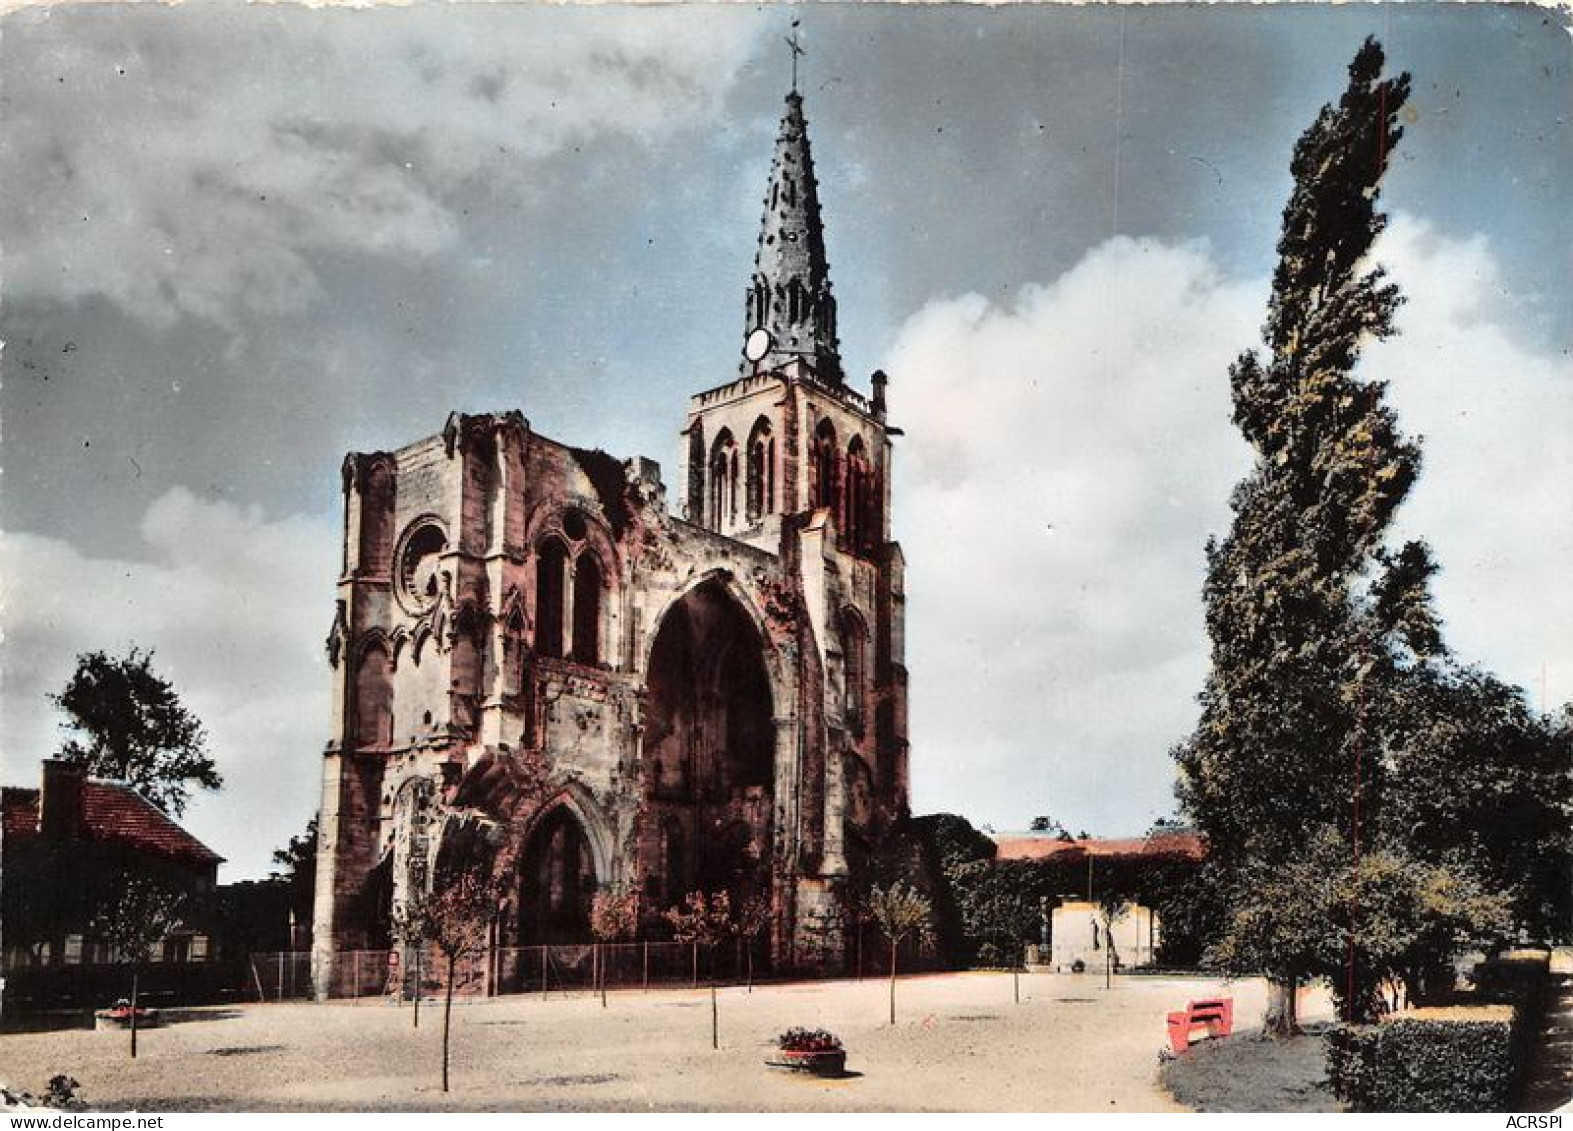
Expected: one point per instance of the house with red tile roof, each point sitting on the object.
(1178, 845)
(67, 846)
(1081, 939)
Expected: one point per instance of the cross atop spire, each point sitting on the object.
(791, 309)
(797, 50)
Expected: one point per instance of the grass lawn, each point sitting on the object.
(1249, 1072)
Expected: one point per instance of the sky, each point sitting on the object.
(237, 242)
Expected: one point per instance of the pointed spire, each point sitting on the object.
(791, 310)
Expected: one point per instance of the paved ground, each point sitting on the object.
(960, 1043)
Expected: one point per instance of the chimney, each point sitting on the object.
(60, 800)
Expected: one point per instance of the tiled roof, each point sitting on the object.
(1187, 846)
(18, 813)
(112, 812)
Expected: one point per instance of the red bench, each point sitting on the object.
(1214, 1016)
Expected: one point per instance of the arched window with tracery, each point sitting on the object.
(723, 481)
(761, 471)
(826, 479)
(587, 609)
(551, 567)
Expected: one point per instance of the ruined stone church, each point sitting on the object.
(526, 639)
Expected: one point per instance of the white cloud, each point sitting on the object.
(236, 607)
(180, 168)
(1067, 457)
(1497, 421)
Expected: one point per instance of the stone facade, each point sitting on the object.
(527, 641)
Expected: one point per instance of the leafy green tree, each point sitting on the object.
(454, 918)
(900, 912)
(1409, 914)
(457, 920)
(749, 920)
(297, 870)
(1115, 898)
(947, 844)
(128, 723)
(953, 840)
(1478, 776)
(999, 905)
(134, 924)
(1284, 748)
(1047, 824)
(703, 921)
(410, 926)
(614, 917)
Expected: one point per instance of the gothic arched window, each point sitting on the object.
(374, 697)
(761, 471)
(551, 566)
(854, 662)
(696, 472)
(825, 469)
(587, 609)
(855, 507)
(376, 508)
(723, 481)
(862, 502)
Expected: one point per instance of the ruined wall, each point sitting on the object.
(525, 638)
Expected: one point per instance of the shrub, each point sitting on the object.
(1516, 978)
(1453, 1060)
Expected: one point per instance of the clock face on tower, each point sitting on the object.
(758, 344)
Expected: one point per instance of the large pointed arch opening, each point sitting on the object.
(709, 752)
(557, 881)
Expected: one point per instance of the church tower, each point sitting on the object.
(538, 668)
(791, 307)
(790, 458)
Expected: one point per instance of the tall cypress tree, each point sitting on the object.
(1301, 600)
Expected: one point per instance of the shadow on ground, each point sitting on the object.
(1249, 1073)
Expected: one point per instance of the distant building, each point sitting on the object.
(64, 850)
(1077, 930)
(1180, 845)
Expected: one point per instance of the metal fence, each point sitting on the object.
(283, 975)
(384, 975)
(559, 968)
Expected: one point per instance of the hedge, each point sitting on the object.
(1465, 1059)
(1416, 1064)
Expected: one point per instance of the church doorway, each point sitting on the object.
(709, 753)
(558, 882)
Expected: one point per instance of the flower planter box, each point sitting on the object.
(120, 1018)
(819, 1062)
